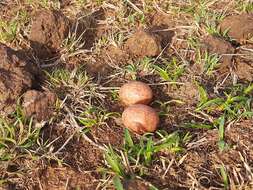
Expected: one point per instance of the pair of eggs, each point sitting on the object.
(138, 116)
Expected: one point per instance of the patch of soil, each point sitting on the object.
(143, 44)
(81, 155)
(204, 159)
(219, 46)
(161, 18)
(239, 27)
(109, 57)
(108, 135)
(161, 24)
(66, 179)
(239, 135)
(244, 70)
(115, 55)
(38, 104)
(15, 78)
(164, 34)
(77, 153)
(49, 29)
(187, 92)
(135, 184)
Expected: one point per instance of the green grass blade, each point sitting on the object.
(117, 183)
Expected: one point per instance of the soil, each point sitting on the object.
(142, 44)
(219, 46)
(239, 27)
(38, 104)
(15, 78)
(135, 184)
(161, 19)
(49, 29)
(243, 64)
(187, 92)
(66, 178)
(244, 70)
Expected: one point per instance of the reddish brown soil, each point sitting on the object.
(15, 78)
(135, 184)
(244, 70)
(216, 45)
(239, 27)
(38, 104)
(66, 178)
(187, 92)
(143, 44)
(49, 29)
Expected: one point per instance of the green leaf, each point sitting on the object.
(113, 160)
(221, 127)
(117, 183)
(249, 89)
(216, 101)
(149, 151)
(224, 176)
(203, 94)
(198, 126)
(128, 139)
(162, 72)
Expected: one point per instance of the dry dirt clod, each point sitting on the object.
(143, 44)
(49, 29)
(115, 55)
(187, 92)
(240, 27)
(15, 78)
(216, 45)
(160, 19)
(65, 178)
(38, 104)
(244, 70)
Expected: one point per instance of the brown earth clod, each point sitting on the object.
(143, 44)
(239, 27)
(15, 78)
(48, 30)
(66, 178)
(38, 104)
(244, 70)
(219, 46)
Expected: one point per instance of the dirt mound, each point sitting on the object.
(115, 55)
(243, 63)
(160, 19)
(143, 44)
(65, 178)
(38, 104)
(15, 78)
(187, 92)
(219, 46)
(49, 29)
(244, 70)
(240, 27)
